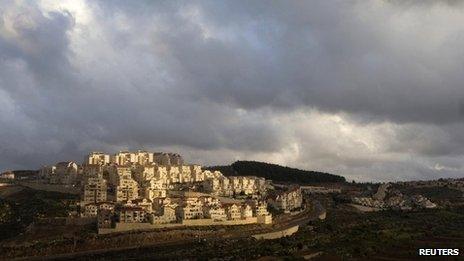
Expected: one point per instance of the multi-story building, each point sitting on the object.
(237, 185)
(127, 189)
(167, 214)
(174, 174)
(263, 215)
(217, 186)
(167, 159)
(92, 209)
(287, 200)
(144, 203)
(97, 158)
(95, 190)
(143, 173)
(155, 189)
(116, 173)
(196, 173)
(143, 157)
(233, 211)
(130, 214)
(124, 158)
(189, 211)
(215, 212)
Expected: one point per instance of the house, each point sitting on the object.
(144, 203)
(233, 211)
(215, 212)
(189, 211)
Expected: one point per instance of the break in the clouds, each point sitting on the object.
(372, 90)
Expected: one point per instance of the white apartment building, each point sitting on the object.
(116, 173)
(233, 211)
(97, 158)
(155, 189)
(127, 189)
(228, 186)
(287, 200)
(189, 211)
(215, 212)
(124, 158)
(143, 157)
(218, 186)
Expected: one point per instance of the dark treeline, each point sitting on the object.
(276, 172)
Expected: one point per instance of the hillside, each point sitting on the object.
(276, 172)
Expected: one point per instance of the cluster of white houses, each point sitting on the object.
(138, 187)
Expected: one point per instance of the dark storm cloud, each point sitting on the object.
(217, 76)
(330, 55)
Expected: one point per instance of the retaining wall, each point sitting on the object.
(278, 234)
(124, 227)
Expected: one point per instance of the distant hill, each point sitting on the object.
(276, 172)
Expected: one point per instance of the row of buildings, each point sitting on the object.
(126, 158)
(220, 185)
(171, 210)
(145, 163)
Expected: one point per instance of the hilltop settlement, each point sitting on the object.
(141, 190)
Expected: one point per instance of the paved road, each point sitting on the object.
(300, 219)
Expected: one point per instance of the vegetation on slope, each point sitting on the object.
(20, 209)
(276, 172)
(344, 235)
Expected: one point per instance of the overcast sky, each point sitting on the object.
(372, 90)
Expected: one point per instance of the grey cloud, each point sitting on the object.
(214, 78)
